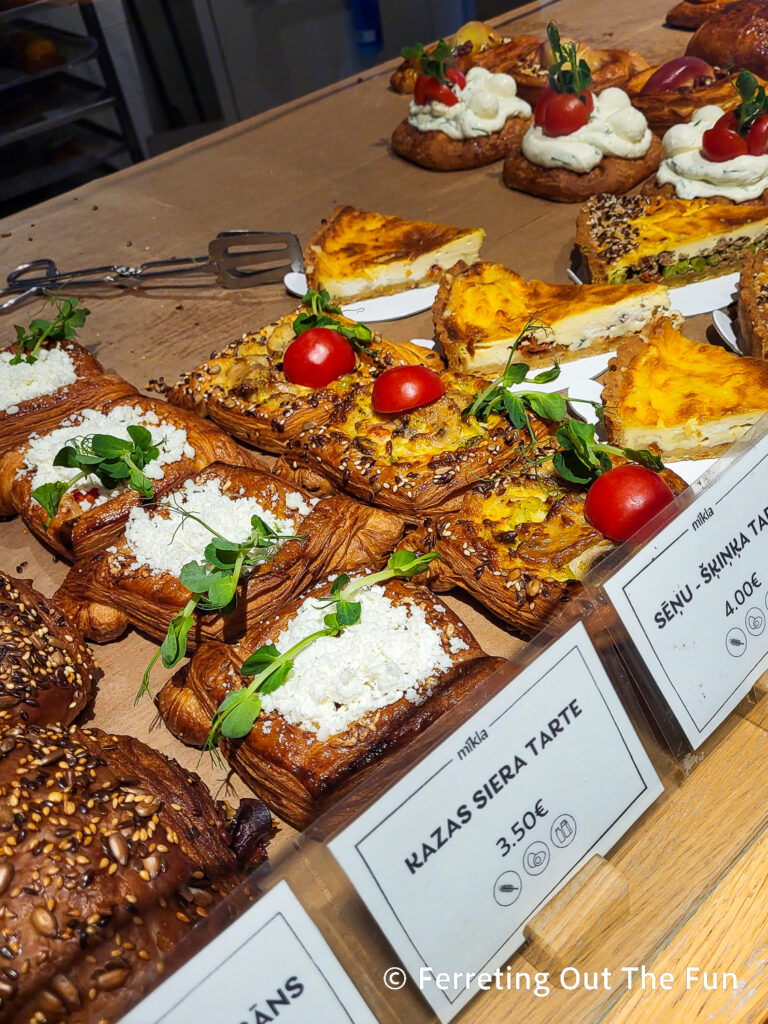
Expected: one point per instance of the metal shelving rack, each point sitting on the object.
(52, 128)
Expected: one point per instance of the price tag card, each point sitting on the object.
(271, 964)
(456, 857)
(695, 599)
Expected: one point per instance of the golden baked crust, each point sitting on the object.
(37, 415)
(135, 856)
(662, 110)
(417, 463)
(494, 55)
(667, 191)
(103, 594)
(47, 674)
(356, 255)
(681, 398)
(76, 533)
(630, 238)
(613, 174)
(692, 13)
(438, 152)
(481, 309)
(735, 35)
(753, 304)
(244, 390)
(297, 775)
(609, 67)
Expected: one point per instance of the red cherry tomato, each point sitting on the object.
(427, 89)
(456, 77)
(757, 136)
(623, 500)
(317, 357)
(405, 387)
(719, 144)
(728, 120)
(560, 113)
(677, 74)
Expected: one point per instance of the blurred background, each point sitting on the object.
(89, 87)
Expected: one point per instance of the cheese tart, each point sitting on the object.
(753, 304)
(137, 579)
(90, 515)
(683, 399)
(245, 391)
(358, 255)
(415, 463)
(347, 703)
(480, 310)
(652, 238)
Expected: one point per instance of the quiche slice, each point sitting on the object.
(652, 238)
(753, 303)
(684, 399)
(357, 255)
(481, 309)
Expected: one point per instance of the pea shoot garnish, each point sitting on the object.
(213, 583)
(358, 335)
(270, 668)
(70, 315)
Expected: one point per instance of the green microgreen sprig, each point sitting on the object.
(431, 62)
(270, 668)
(112, 460)
(358, 335)
(567, 72)
(753, 100)
(70, 315)
(213, 583)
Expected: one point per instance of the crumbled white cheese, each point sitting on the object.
(456, 644)
(165, 541)
(390, 653)
(42, 450)
(295, 502)
(52, 370)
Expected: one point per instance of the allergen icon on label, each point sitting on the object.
(563, 831)
(755, 621)
(507, 888)
(736, 642)
(536, 858)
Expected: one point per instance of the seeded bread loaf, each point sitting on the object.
(753, 304)
(110, 854)
(47, 674)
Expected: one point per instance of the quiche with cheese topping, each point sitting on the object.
(415, 463)
(681, 398)
(652, 238)
(358, 255)
(244, 390)
(480, 310)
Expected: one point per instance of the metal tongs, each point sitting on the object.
(237, 259)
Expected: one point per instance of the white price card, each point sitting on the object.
(694, 600)
(456, 857)
(272, 964)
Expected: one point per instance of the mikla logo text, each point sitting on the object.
(270, 1009)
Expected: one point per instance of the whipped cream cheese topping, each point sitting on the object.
(614, 128)
(485, 103)
(52, 370)
(694, 177)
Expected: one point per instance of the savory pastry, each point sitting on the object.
(671, 93)
(246, 391)
(347, 702)
(580, 143)
(137, 580)
(651, 238)
(110, 855)
(692, 13)
(736, 35)
(480, 310)
(415, 460)
(753, 303)
(456, 122)
(47, 674)
(36, 396)
(356, 255)
(90, 512)
(683, 399)
(475, 44)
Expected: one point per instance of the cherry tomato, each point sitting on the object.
(427, 89)
(456, 77)
(757, 136)
(317, 357)
(405, 387)
(560, 113)
(623, 500)
(719, 144)
(677, 74)
(728, 120)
